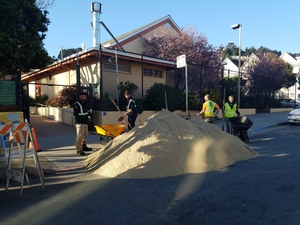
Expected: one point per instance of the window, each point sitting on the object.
(157, 73)
(122, 66)
(153, 72)
(148, 72)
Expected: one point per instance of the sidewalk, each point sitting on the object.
(57, 144)
(57, 140)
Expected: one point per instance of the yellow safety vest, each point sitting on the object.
(229, 112)
(210, 106)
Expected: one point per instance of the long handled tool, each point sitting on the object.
(121, 118)
(223, 109)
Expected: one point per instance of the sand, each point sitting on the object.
(168, 145)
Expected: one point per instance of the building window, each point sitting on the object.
(148, 72)
(157, 73)
(153, 72)
(122, 66)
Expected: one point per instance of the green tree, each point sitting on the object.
(23, 27)
(67, 52)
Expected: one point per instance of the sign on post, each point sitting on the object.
(181, 62)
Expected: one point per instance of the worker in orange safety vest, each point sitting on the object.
(208, 109)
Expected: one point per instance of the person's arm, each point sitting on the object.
(130, 109)
(217, 107)
(203, 109)
(237, 111)
(75, 109)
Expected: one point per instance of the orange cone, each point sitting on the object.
(36, 144)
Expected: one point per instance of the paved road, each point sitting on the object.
(263, 190)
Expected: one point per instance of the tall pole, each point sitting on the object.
(117, 75)
(234, 27)
(239, 75)
(186, 94)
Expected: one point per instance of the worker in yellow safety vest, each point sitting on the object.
(230, 109)
(208, 109)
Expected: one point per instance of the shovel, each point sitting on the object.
(121, 118)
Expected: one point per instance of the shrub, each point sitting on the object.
(66, 98)
(155, 98)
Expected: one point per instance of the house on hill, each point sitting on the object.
(292, 92)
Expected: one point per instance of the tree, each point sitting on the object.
(269, 74)
(230, 50)
(23, 27)
(249, 51)
(44, 4)
(68, 52)
(204, 60)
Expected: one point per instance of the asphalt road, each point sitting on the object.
(262, 190)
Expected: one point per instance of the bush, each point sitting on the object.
(155, 98)
(193, 101)
(66, 98)
(41, 99)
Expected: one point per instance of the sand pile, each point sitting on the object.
(168, 145)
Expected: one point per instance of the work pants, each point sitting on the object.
(81, 135)
(228, 126)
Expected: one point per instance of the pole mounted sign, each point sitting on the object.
(181, 62)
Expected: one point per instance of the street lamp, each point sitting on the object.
(234, 27)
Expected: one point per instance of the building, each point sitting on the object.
(292, 92)
(119, 60)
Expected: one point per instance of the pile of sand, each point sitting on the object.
(168, 145)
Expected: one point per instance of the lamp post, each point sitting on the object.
(234, 27)
(117, 75)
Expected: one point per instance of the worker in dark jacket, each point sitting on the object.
(131, 110)
(82, 118)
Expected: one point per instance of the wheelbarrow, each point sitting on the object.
(109, 130)
(240, 126)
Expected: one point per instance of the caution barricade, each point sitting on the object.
(4, 133)
(21, 134)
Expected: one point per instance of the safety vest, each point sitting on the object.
(230, 112)
(131, 101)
(83, 114)
(210, 106)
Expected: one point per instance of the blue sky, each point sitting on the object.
(270, 23)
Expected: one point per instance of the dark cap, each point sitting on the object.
(83, 93)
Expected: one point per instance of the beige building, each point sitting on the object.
(119, 60)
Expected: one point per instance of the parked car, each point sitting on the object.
(294, 115)
(288, 103)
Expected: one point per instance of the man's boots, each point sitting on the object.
(86, 149)
(80, 153)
